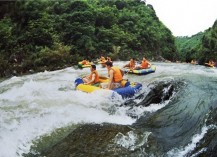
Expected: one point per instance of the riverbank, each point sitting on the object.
(20, 70)
(14, 68)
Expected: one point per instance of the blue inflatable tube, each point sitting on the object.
(152, 69)
(128, 91)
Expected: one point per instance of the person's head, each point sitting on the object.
(108, 64)
(93, 67)
(144, 59)
(132, 60)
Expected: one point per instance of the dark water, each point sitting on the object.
(181, 128)
(46, 109)
(181, 125)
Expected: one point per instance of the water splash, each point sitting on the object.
(131, 140)
(180, 152)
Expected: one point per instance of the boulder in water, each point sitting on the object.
(89, 140)
(159, 92)
(105, 140)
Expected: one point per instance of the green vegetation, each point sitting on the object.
(39, 35)
(45, 34)
(187, 47)
(202, 46)
(208, 49)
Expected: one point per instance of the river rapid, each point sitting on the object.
(40, 109)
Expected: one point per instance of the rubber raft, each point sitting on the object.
(102, 63)
(80, 65)
(127, 90)
(152, 69)
(208, 65)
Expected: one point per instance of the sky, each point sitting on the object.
(185, 17)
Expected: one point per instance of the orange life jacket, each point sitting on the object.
(117, 74)
(102, 59)
(84, 62)
(144, 64)
(96, 76)
(132, 65)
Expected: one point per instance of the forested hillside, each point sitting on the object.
(45, 34)
(202, 46)
(187, 46)
(208, 48)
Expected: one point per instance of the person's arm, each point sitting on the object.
(108, 74)
(140, 66)
(111, 74)
(92, 80)
(149, 63)
(86, 76)
(126, 65)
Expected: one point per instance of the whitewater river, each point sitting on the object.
(46, 105)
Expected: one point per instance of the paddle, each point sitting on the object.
(127, 71)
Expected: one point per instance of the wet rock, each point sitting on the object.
(106, 140)
(159, 92)
(89, 140)
(14, 72)
(211, 152)
(31, 71)
(160, 58)
(7, 73)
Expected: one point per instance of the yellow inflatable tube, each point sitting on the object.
(91, 88)
(88, 88)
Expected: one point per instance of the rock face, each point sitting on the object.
(105, 140)
(90, 140)
(159, 92)
(160, 59)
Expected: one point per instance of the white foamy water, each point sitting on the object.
(34, 105)
(131, 140)
(180, 152)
